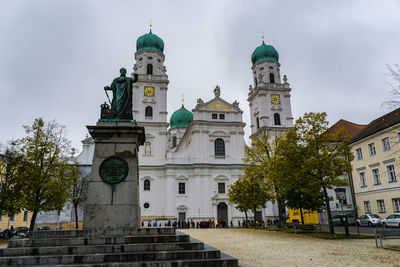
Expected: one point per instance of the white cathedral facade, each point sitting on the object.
(187, 164)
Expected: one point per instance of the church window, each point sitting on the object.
(148, 113)
(222, 116)
(219, 146)
(277, 119)
(146, 185)
(221, 188)
(150, 58)
(146, 205)
(158, 60)
(262, 68)
(149, 69)
(271, 68)
(214, 116)
(174, 142)
(258, 122)
(181, 187)
(140, 59)
(271, 78)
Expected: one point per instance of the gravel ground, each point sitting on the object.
(261, 248)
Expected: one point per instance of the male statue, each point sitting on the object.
(121, 87)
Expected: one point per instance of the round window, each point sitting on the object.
(146, 205)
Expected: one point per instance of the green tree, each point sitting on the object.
(46, 170)
(11, 194)
(325, 156)
(249, 193)
(296, 190)
(262, 158)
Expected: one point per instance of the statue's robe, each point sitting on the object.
(122, 97)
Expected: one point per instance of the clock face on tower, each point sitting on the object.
(149, 91)
(275, 99)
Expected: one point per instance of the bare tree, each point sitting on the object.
(78, 193)
(394, 72)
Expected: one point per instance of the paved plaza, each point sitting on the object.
(260, 248)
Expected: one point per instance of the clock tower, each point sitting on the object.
(149, 103)
(268, 97)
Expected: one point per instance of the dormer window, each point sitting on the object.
(214, 116)
(222, 116)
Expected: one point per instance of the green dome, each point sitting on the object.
(150, 41)
(264, 52)
(181, 118)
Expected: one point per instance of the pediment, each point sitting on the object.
(149, 100)
(217, 104)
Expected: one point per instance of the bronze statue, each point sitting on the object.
(121, 104)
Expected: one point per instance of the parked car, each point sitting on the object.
(369, 220)
(21, 231)
(392, 220)
(43, 228)
(336, 220)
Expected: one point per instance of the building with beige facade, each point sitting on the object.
(376, 170)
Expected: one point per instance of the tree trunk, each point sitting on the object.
(302, 217)
(245, 213)
(328, 210)
(254, 217)
(281, 211)
(76, 216)
(33, 220)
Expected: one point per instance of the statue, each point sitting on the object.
(217, 91)
(121, 104)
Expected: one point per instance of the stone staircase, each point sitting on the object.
(112, 247)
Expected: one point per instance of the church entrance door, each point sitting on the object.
(222, 212)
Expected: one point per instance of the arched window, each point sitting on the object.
(271, 78)
(258, 123)
(148, 113)
(149, 69)
(174, 142)
(277, 119)
(146, 185)
(219, 146)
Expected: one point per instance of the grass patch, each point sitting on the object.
(316, 233)
(394, 247)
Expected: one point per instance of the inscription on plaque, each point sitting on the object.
(113, 170)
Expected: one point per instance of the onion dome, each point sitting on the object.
(264, 52)
(150, 41)
(181, 118)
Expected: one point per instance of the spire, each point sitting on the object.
(151, 24)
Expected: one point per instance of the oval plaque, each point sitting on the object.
(113, 170)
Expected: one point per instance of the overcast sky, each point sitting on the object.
(56, 56)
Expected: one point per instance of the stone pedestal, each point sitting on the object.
(114, 205)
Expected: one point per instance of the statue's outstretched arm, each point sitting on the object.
(107, 88)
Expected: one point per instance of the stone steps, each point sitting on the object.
(109, 257)
(113, 248)
(100, 240)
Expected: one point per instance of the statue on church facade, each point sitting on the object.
(121, 104)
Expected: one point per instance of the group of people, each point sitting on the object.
(7, 233)
(188, 224)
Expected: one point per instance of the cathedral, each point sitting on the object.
(187, 164)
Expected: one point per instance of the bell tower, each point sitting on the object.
(149, 103)
(268, 97)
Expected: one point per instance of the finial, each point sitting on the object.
(151, 24)
(183, 99)
(262, 37)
